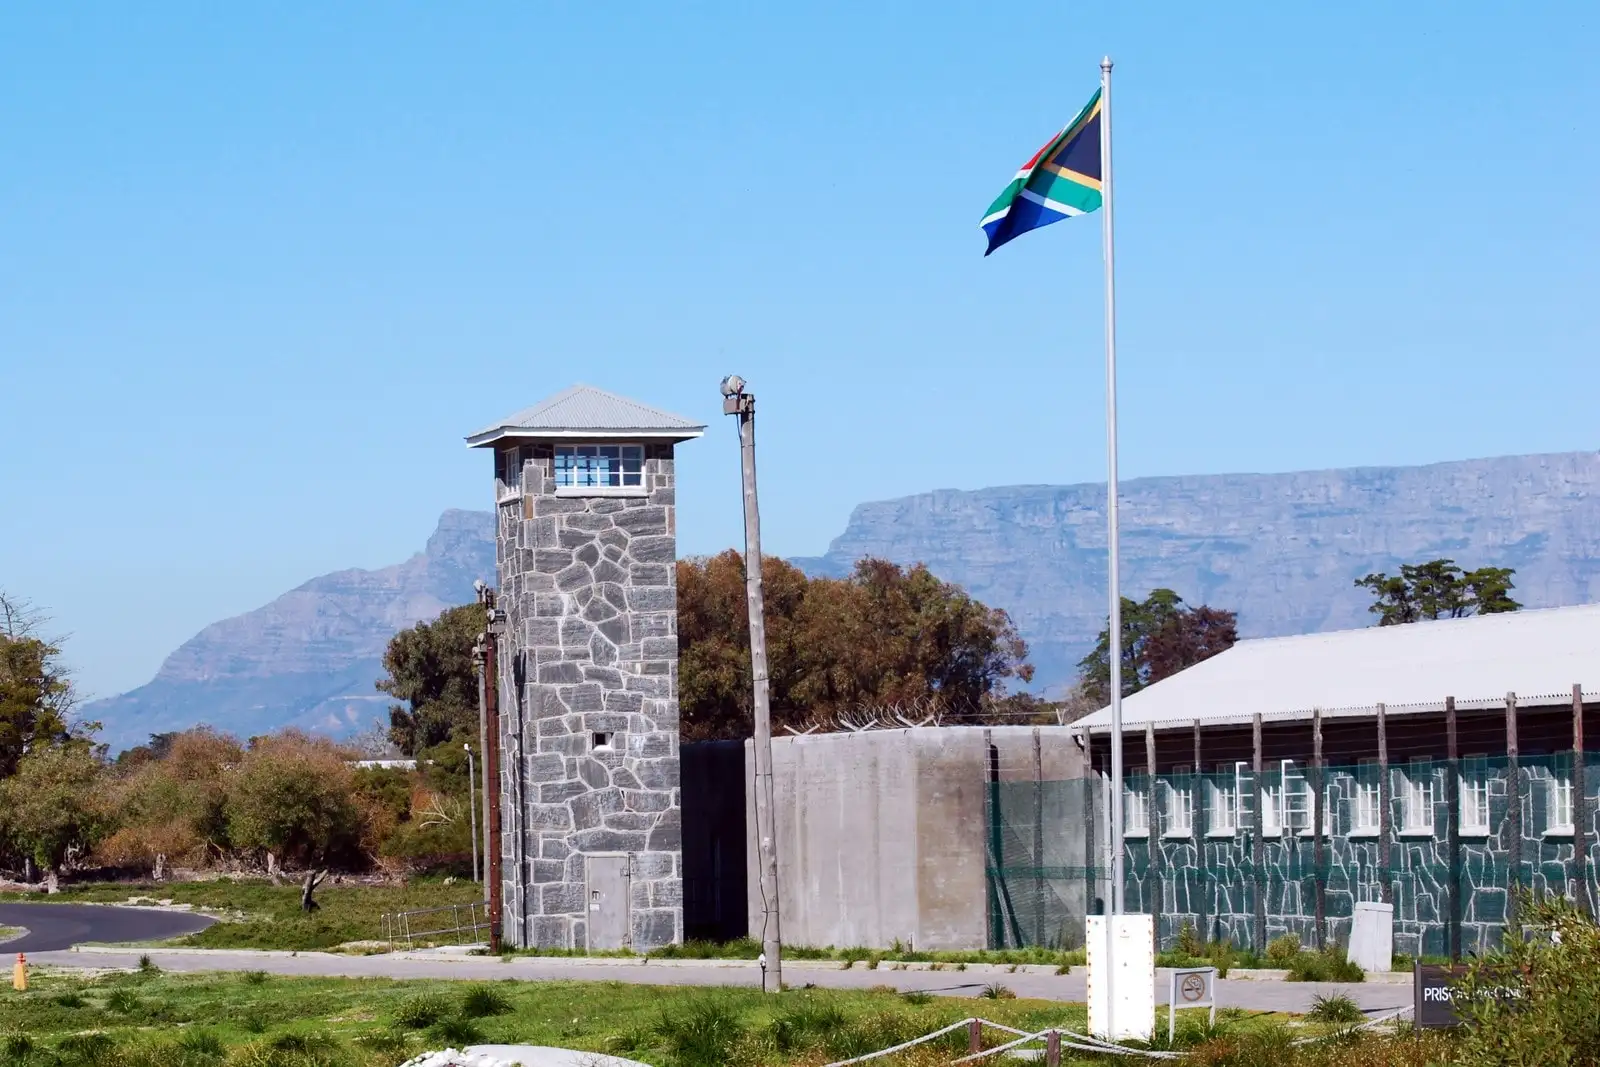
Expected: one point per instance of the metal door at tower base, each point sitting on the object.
(608, 885)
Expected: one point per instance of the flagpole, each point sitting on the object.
(1115, 628)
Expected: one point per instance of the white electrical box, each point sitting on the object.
(1122, 976)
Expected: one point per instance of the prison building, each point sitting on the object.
(1437, 767)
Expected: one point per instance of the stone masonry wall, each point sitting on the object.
(589, 587)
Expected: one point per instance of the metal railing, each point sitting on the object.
(461, 923)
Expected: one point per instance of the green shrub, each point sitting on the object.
(482, 1001)
(1329, 965)
(456, 1031)
(1551, 972)
(389, 1043)
(996, 991)
(124, 1002)
(421, 1012)
(873, 1033)
(1190, 943)
(69, 1000)
(1337, 1008)
(201, 1043)
(88, 1048)
(254, 977)
(804, 1024)
(15, 1047)
(702, 1035)
(917, 998)
(1281, 951)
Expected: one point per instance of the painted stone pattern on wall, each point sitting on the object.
(1208, 876)
(589, 718)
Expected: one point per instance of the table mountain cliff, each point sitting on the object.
(310, 657)
(1280, 549)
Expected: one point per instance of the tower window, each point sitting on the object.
(599, 466)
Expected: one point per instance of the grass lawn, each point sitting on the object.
(138, 1018)
(151, 1019)
(262, 915)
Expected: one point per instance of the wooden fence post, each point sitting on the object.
(1259, 837)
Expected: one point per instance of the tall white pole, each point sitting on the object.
(1117, 901)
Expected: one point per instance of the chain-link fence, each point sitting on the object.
(1246, 858)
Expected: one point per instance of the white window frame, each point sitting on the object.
(510, 472)
(1224, 818)
(1558, 800)
(1473, 802)
(624, 453)
(1271, 808)
(1135, 812)
(1366, 809)
(1180, 810)
(1418, 786)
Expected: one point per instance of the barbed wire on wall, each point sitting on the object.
(933, 711)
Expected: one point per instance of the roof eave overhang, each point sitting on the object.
(1539, 700)
(501, 433)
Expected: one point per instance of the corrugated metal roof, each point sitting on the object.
(585, 409)
(1539, 655)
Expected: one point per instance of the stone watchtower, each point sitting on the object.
(586, 547)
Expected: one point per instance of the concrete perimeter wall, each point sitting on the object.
(882, 834)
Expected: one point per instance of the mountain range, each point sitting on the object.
(1282, 550)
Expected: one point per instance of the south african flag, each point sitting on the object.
(1061, 180)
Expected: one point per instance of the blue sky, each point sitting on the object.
(261, 269)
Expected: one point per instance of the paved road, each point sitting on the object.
(1252, 995)
(59, 926)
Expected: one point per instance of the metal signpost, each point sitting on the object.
(1191, 987)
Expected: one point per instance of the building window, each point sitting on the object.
(1421, 793)
(1559, 817)
(510, 472)
(1365, 816)
(1135, 813)
(1180, 811)
(1272, 810)
(599, 466)
(1224, 817)
(1475, 802)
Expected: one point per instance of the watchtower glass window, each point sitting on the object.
(581, 467)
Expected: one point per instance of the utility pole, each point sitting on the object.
(472, 808)
(737, 402)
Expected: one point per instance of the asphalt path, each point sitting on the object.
(1070, 988)
(60, 926)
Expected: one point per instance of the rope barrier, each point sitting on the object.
(1073, 1040)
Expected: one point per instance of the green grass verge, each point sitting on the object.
(198, 1019)
(265, 916)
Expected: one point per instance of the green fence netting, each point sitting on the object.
(1238, 856)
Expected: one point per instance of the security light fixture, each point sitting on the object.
(732, 385)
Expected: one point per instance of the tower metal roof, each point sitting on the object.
(584, 411)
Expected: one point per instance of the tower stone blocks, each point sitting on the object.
(586, 552)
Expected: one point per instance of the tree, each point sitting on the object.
(36, 694)
(430, 668)
(292, 798)
(53, 805)
(1160, 637)
(1438, 589)
(174, 804)
(885, 635)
